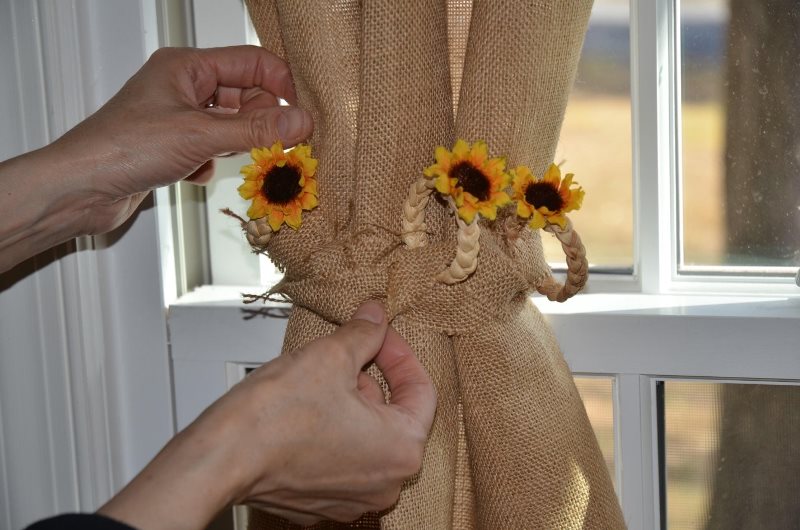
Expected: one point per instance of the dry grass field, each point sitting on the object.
(596, 145)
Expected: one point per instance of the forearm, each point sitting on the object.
(40, 205)
(190, 481)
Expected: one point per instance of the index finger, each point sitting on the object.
(243, 67)
(411, 387)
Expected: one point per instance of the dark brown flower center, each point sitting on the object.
(544, 194)
(281, 184)
(471, 179)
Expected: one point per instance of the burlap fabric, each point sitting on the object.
(387, 81)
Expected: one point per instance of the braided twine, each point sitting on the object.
(258, 231)
(577, 265)
(466, 260)
(414, 236)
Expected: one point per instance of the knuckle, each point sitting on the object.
(337, 353)
(165, 54)
(260, 128)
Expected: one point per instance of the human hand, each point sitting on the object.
(307, 436)
(155, 131)
(158, 129)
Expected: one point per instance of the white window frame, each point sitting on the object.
(665, 325)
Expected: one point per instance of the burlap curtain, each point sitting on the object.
(387, 81)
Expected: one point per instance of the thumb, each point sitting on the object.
(242, 131)
(411, 387)
(362, 336)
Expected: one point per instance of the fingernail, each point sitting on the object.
(290, 124)
(371, 311)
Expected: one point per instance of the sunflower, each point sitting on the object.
(545, 200)
(474, 181)
(281, 184)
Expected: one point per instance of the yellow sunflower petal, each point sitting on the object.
(488, 211)
(575, 200)
(310, 166)
(479, 153)
(311, 186)
(537, 221)
(544, 210)
(275, 219)
(459, 197)
(300, 151)
(559, 220)
(255, 154)
(277, 150)
(443, 184)
(460, 149)
(495, 166)
(523, 209)
(566, 183)
(257, 210)
(443, 157)
(521, 177)
(293, 216)
(433, 172)
(500, 199)
(553, 174)
(264, 155)
(467, 212)
(249, 189)
(251, 172)
(308, 201)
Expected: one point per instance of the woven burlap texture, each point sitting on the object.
(386, 82)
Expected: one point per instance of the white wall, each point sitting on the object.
(85, 396)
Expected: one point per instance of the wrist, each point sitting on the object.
(49, 208)
(183, 488)
(204, 469)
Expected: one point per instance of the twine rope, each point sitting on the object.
(577, 265)
(258, 231)
(466, 260)
(414, 232)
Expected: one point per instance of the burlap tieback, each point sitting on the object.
(386, 82)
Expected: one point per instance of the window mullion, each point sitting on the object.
(652, 72)
(637, 449)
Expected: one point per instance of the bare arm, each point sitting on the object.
(155, 131)
(307, 436)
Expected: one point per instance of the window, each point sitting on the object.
(682, 310)
(595, 142)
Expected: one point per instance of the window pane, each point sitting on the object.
(598, 398)
(740, 112)
(732, 457)
(595, 141)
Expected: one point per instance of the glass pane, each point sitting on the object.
(598, 398)
(595, 141)
(732, 457)
(740, 82)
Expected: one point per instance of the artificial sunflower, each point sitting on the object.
(545, 200)
(474, 181)
(281, 184)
